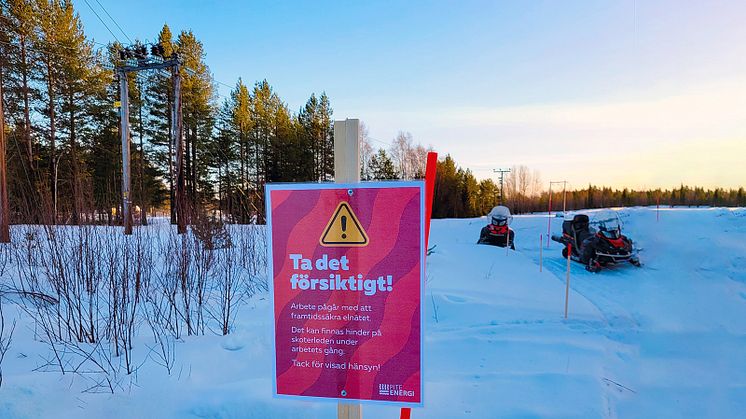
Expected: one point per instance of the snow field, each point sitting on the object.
(664, 340)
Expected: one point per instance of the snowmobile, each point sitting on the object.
(497, 232)
(596, 243)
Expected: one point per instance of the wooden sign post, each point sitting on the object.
(347, 170)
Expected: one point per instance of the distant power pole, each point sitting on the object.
(564, 192)
(136, 59)
(4, 208)
(502, 173)
(564, 205)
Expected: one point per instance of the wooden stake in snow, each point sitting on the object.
(658, 208)
(347, 170)
(541, 252)
(567, 280)
(507, 242)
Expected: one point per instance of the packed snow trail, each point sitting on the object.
(664, 340)
(681, 314)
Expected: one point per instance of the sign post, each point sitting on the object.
(347, 169)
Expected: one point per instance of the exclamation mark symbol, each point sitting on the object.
(344, 226)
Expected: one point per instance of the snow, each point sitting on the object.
(664, 340)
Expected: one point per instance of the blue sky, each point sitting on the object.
(621, 93)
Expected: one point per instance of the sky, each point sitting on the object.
(638, 94)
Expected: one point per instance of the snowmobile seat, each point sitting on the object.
(578, 228)
(567, 227)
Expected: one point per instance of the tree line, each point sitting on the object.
(458, 194)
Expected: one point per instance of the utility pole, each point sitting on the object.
(136, 59)
(502, 173)
(4, 208)
(564, 192)
(564, 205)
(141, 160)
(124, 130)
(178, 145)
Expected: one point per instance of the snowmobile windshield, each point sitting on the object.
(607, 222)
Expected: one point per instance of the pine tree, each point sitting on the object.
(76, 84)
(231, 149)
(17, 23)
(158, 125)
(316, 138)
(198, 115)
(105, 159)
(51, 51)
(382, 167)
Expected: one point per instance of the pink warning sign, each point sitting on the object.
(347, 272)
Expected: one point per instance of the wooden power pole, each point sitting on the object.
(502, 173)
(133, 60)
(178, 144)
(4, 208)
(125, 133)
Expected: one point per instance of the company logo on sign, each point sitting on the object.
(394, 390)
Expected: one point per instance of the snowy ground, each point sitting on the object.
(664, 340)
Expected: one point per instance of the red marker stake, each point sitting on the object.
(567, 281)
(507, 242)
(549, 221)
(430, 170)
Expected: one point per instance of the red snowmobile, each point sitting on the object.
(599, 247)
(497, 232)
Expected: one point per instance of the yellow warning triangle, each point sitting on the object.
(344, 229)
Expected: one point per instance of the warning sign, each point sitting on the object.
(347, 270)
(344, 229)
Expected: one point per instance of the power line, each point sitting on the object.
(115, 22)
(102, 21)
(38, 49)
(221, 83)
(379, 141)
